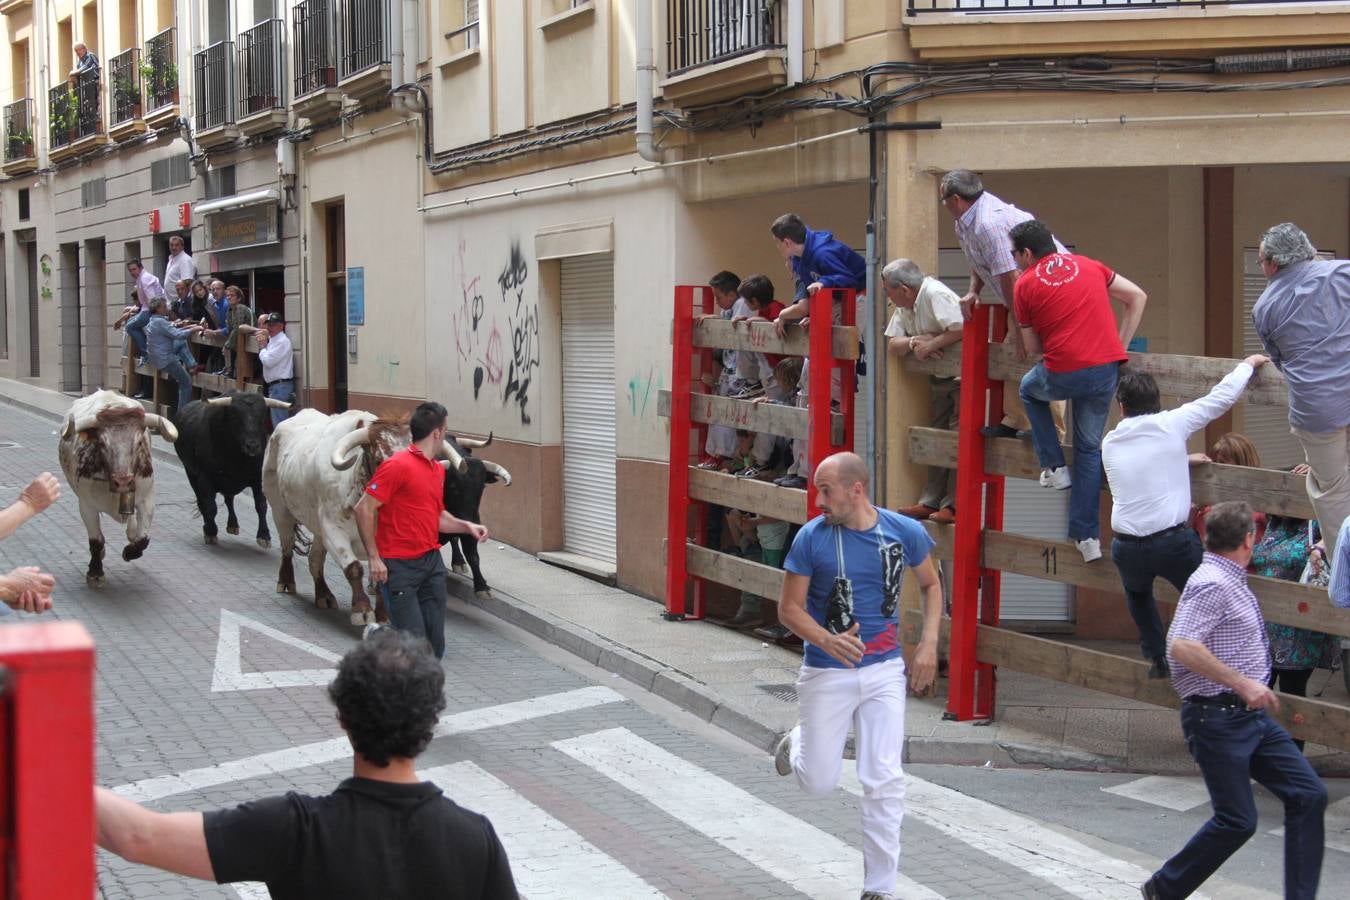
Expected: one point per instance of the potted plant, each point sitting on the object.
(62, 116)
(18, 143)
(126, 98)
(161, 82)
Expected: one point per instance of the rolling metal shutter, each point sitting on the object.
(588, 391)
(1028, 508)
(1266, 426)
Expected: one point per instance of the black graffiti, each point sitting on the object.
(524, 360)
(477, 312)
(513, 275)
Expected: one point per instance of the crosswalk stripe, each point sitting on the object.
(1336, 822)
(1069, 865)
(318, 752)
(252, 890)
(548, 858)
(806, 858)
(1175, 792)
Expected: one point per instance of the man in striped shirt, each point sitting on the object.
(1220, 659)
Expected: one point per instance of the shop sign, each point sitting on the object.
(247, 226)
(356, 295)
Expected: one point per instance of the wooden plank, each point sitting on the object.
(733, 571)
(787, 504)
(1268, 490)
(1312, 720)
(759, 336)
(1186, 377)
(1282, 602)
(767, 418)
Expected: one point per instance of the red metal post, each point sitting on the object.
(677, 509)
(991, 579)
(705, 368)
(848, 369)
(820, 352)
(47, 761)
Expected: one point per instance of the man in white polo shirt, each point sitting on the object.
(1147, 467)
(278, 363)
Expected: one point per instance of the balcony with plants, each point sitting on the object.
(20, 152)
(86, 92)
(718, 49)
(159, 79)
(127, 103)
(260, 64)
(61, 121)
(314, 59)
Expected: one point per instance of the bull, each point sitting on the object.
(104, 450)
(314, 471)
(462, 494)
(221, 442)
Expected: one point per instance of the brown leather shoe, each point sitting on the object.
(944, 516)
(917, 511)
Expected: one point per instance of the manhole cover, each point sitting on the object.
(785, 692)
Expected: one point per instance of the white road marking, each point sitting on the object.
(808, 859)
(251, 890)
(228, 675)
(1336, 823)
(1176, 792)
(548, 858)
(1069, 865)
(276, 761)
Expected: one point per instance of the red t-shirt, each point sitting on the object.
(410, 487)
(1063, 297)
(770, 311)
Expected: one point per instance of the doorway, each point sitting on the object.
(95, 318)
(34, 311)
(72, 379)
(335, 267)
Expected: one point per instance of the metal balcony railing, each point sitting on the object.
(705, 31)
(213, 86)
(61, 115)
(260, 67)
(88, 104)
(19, 130)
(124, 74)
(314, 46)
(160, 70)
(365, 36)
(918, 7)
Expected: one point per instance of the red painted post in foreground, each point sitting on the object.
(46, 761)
(820, 352)
(705, 368)
(677, 506)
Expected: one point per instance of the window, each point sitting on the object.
(220, 183)
(461, 21)
(93, 192)
(171, 172)
(24, 210)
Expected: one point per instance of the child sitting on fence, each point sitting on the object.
(720, 444)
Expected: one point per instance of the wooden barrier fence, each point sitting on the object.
(246, 366)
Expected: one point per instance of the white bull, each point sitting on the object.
(105, 453)
(314, 472)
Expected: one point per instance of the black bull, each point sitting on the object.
(462, 495)
(221, 443)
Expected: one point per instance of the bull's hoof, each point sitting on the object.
(265, 543)
(381, 617)
(325, 602)
(231, 529)
(210, 539)
(134, 551)
(460, 570)
(95, 581)
(362, 617)
(485, 594)
(284, 588)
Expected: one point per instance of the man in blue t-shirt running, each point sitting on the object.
(841, 593)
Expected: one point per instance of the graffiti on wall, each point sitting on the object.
(642, 390)
(498, 340)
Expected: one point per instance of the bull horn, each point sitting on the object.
(76, 425)
(274, 403)
(474, 445)
(497, 470)
(220, 401)
(342, 457)
(455, 459)
(162, 425)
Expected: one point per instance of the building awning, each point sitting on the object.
(269, 195)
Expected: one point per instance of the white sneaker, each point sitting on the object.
(1091, 548)
(1056, 478)
(374, 628)
(782, 754)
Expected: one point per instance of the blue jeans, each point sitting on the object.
(136, 329)
(285, 392)
(1091, 391)
(1231, 745)
(180, 347)
(415, 594)
(174, 369)
(1174, 556)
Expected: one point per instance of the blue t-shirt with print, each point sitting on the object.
(874, 563)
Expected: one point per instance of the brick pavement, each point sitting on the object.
(156, 624)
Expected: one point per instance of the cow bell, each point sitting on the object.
(126, 503)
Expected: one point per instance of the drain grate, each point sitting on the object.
(784, 692)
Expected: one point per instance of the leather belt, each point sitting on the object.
(1134, 538)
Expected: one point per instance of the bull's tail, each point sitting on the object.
(303, 540)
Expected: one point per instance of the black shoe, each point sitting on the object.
(772, 632)
(998, 431)
(1148, 891)
(1159, 668)
(744, 619)
(796, 482)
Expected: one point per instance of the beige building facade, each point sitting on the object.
(466, 211)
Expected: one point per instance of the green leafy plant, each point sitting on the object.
(63, 113)
(126, 92)
(159, 78)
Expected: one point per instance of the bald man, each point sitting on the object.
(841, 595)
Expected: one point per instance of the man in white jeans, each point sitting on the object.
(841, 595)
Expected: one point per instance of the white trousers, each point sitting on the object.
(871, 699)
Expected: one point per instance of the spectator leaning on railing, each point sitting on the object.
(1303, 318)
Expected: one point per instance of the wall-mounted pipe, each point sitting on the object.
(646, 79)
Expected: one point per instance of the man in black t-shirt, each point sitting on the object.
(382, 833)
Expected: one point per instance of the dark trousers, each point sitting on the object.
(1231, 745)
(1174, 556)
(415, 594)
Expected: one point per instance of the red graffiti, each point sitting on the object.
(492, 360)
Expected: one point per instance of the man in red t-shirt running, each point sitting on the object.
(399, 516)
(1063, 308)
